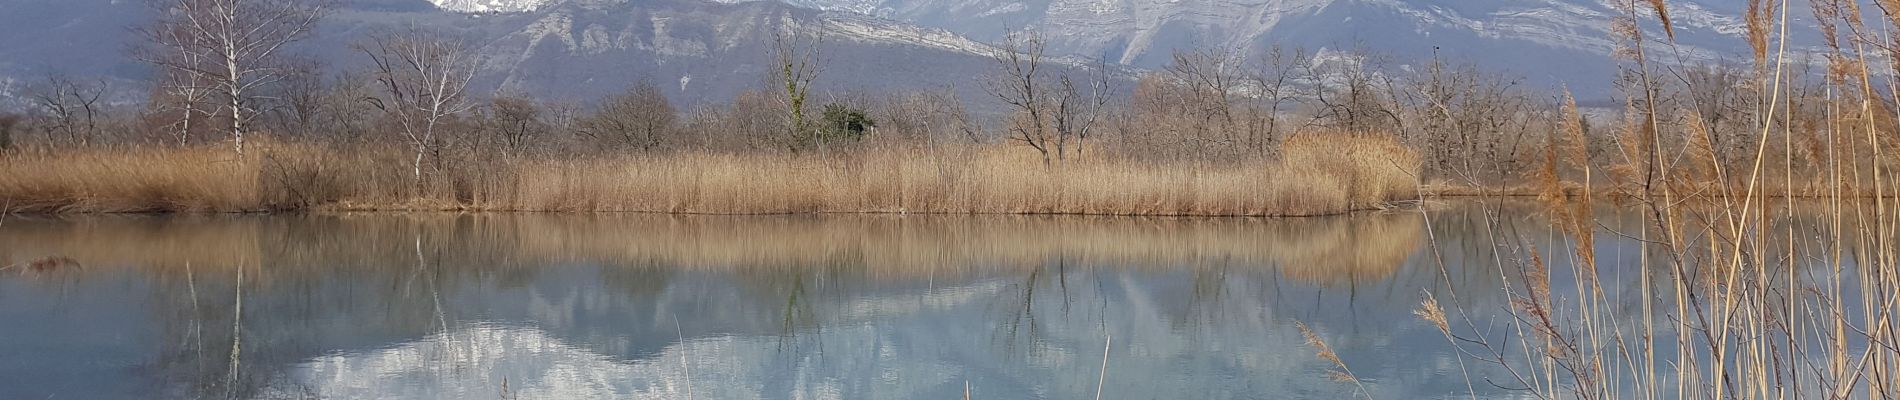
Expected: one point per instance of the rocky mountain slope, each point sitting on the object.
(566, 49)
(590, 48)
(709, 49)
(1548, 41)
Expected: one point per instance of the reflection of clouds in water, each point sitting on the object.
(869, 308)
(902, 345)
(475, 360)
(838, 306)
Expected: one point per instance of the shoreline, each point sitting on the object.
(1431, 197)
(481, 210)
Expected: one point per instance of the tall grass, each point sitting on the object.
(107, 180)
(1322, 173)
(1735, 298)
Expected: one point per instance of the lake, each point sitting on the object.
(537, 306)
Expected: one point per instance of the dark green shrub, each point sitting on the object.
(844, 123)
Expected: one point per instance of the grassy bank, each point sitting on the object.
(1317, 174)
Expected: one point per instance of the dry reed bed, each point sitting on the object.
(111, 180)
(1321, 174)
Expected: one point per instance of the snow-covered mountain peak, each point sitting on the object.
(489, 6)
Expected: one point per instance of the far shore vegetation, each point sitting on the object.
(1336, 173)
(1218, 132)
(232, 123)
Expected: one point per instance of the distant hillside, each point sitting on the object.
(703, 50)
(1551, 42)
(578, 49)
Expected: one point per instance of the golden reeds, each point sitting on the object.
(198, 179)
(1338, 369)
(1322, 173)
(1727, 274)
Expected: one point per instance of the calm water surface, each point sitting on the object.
(779, 307)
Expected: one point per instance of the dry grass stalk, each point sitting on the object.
(1338, 371)
(1757, 20)
(1739, 296)
(1662, 14)
(1431, 312)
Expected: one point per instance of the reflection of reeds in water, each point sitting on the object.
(198, 258)
(1320, 250)
(1326, 250)
(1346, 252)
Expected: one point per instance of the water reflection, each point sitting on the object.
(638, 306)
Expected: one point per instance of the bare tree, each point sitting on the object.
(1277, 77)
(1197, 99)
(1214, 103)
(1052, 110)
(232, 47)
(298, 99)
(424, 76)
(1019, 83)
(1075, 112)
(1470, 123)
(515, 119)
(960, 118)
(180, 106)
(1209, 77)
(929, 117)
(1720, 94)
(641, 118)
(343, 113)
(180, 93)
(72, 106)
(797, 63)
(1353, 95)
(756, 119)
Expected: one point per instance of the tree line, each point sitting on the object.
(224, 73)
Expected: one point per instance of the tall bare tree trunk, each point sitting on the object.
(184, 132)
(425, 76)
(231, 47)
(418, 168)
(237, 121)
(234, 85)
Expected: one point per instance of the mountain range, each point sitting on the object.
(1549, 42)
(708, 50)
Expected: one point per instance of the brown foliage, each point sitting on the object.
(641, 119)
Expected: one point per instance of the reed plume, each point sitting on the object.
(1338, 371)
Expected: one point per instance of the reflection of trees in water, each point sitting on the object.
(794, 310)
(1025, 290)
(325, 283)
(1019, 327)
(1328, 250)
(319, 280)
